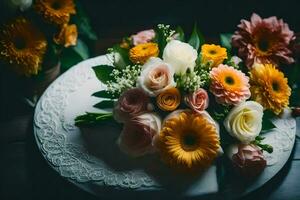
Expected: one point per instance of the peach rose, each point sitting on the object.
(130, 104)
(169, 99)
(156, 76)
(198, 100)
(137, 136)
(143, 37)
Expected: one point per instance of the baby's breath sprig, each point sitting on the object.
(166, 31)
(191, 81)
(123, 79)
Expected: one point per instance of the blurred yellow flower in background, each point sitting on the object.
(269, 87)
(67, 36)
(213, 53)
(142, 52)
(189, 141)
(22, 46)
(56, 12)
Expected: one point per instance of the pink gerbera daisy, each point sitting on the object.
(229, 85)
(264, 41)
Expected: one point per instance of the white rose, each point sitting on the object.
(156, 76)
(244, 121)
(180, 55)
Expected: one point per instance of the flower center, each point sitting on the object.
(263, 45)
(212, 52)
(229, 80)
(189, 142)
(56, 5)
(275, 86)
(20, 43)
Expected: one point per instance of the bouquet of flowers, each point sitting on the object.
(39, 36)
(189, 100)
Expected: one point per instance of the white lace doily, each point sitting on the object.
(62, 144)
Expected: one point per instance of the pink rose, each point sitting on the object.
(247, 159)
(156, 76)
(136, 138)
(130, 104)
(143, 37)
(198, 100)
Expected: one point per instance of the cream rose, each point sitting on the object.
(137, 136)
(155, 77)
(244, 121)
(180, 55)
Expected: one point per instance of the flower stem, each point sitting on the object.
(92, 118)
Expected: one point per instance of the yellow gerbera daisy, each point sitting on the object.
(22, 46)
(142, 52)
(189, 141)
(56, 12)
(269, 87)
(213, 53)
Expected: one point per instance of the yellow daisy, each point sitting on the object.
(56, 12)
(189, 141)
(213, 53)
(142, 52)
(269, 87)
(22, 46)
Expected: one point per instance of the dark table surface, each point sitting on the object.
(24, 174)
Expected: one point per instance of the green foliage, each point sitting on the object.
(73, 55)
(103, 72)
(124, 53)
(81, 49)
(225, 39)
(105, 104)
(103, 94)
(196, 40)
(83, 23)
(267, 123)
(180, 32)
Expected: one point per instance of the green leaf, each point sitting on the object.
(124, 54)
(160, 40)
(196, 40)
(225, 39)
(104, 104)
(81, 49)
(180, 32)
(69, 58)
(267, 123)
(103, 72)
(83, 23)
(103, 94)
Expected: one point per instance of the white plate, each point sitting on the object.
(63, 146)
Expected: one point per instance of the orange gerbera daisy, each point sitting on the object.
(142, 52)
(229, 85)
(189, 141)
(269, 87)
(22, 46)
(56, 12)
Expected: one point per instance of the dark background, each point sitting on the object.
(24, 174)
(113, 19)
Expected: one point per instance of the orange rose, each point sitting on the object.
(169, 99)
(67, 36)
